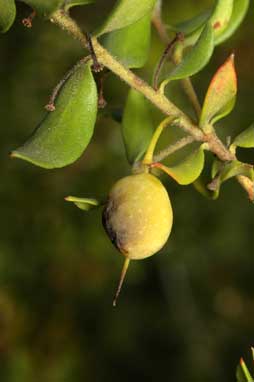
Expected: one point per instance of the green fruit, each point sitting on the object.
(138, 217)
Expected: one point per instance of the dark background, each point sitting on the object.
(186, 314)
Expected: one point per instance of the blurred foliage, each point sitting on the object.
(184, 315)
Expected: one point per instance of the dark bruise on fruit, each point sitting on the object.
(109, 209)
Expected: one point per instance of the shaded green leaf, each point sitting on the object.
(192, 25)
(63, 135)
(137, 126)
(44, 7)
(245, 138)
(72, 3)
(221, 172)
(240, 8)
(197, 57)
(124, 13)
(188, 170)
(7, 14)
(221, 15)
(130, 45)
(220, 95)
(201, 187)
(85, 204)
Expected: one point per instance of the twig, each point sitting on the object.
(172, 148)
(178, 37)
(96, 66)
(51, 104)
(159, 100)
(28, 21)
(186, 82)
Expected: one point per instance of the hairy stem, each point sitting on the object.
(172, 148)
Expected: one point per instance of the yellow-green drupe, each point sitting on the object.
(138, 216)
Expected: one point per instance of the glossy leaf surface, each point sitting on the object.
(221, 15)
(63, 135)
(246, 138)
(221, 93)
(187, 171)
(137, 127)
(72, 3)
(240, 8)
(44, 7)
(130, 45)
(7, 14)
(197, 57)
(124, 13)
(85, 204)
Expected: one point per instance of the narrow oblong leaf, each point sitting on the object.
(188, 170)
(245, 138)
(221, 94)
(130, 45)
(221, 15)
(63, 135)
(73, 3)
(7, 14)
(124, 13)
(197, 57)
(240, 8)
(44, 7)
(137, 127)
(85, 204)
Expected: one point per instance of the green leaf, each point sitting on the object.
(197, 57)
(192, 25)
(188, 170)
(85, 204)
(72, 3)
(130, 45)
(7, 14)
(44, 7)
(221, 172)
(124, 13)
(221, 15)
(235, 168)
(137, 127)
(246, 138)
(220, 95)
(242, 373)
(240, 8)
(63, 135)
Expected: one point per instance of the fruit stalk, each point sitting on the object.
(122, 277)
